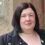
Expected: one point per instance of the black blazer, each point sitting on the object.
(14, 39)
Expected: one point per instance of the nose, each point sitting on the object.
(27, 18)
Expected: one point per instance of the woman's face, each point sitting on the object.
(27, 19)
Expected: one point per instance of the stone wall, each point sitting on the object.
(5, 19)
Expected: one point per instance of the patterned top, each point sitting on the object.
(13, 39)
(19, 41)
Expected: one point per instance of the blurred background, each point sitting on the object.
(7, 8)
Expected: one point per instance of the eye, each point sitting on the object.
(31, 14)
(23, 15)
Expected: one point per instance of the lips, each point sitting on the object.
(28, 23)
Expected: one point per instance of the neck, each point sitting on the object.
(29, 33)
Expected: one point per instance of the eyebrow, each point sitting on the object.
(29, 13)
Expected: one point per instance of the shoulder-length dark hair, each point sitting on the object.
(17, 14)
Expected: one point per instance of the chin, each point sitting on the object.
(30, 27)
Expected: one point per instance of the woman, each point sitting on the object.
(26, 27)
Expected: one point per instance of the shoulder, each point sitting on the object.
(42, 34)
(7, 38)
(2, 38)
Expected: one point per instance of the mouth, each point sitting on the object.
(28, 23)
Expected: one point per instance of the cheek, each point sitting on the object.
(21, 21)
(32, 19)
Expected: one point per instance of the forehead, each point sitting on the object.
(28, 10)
